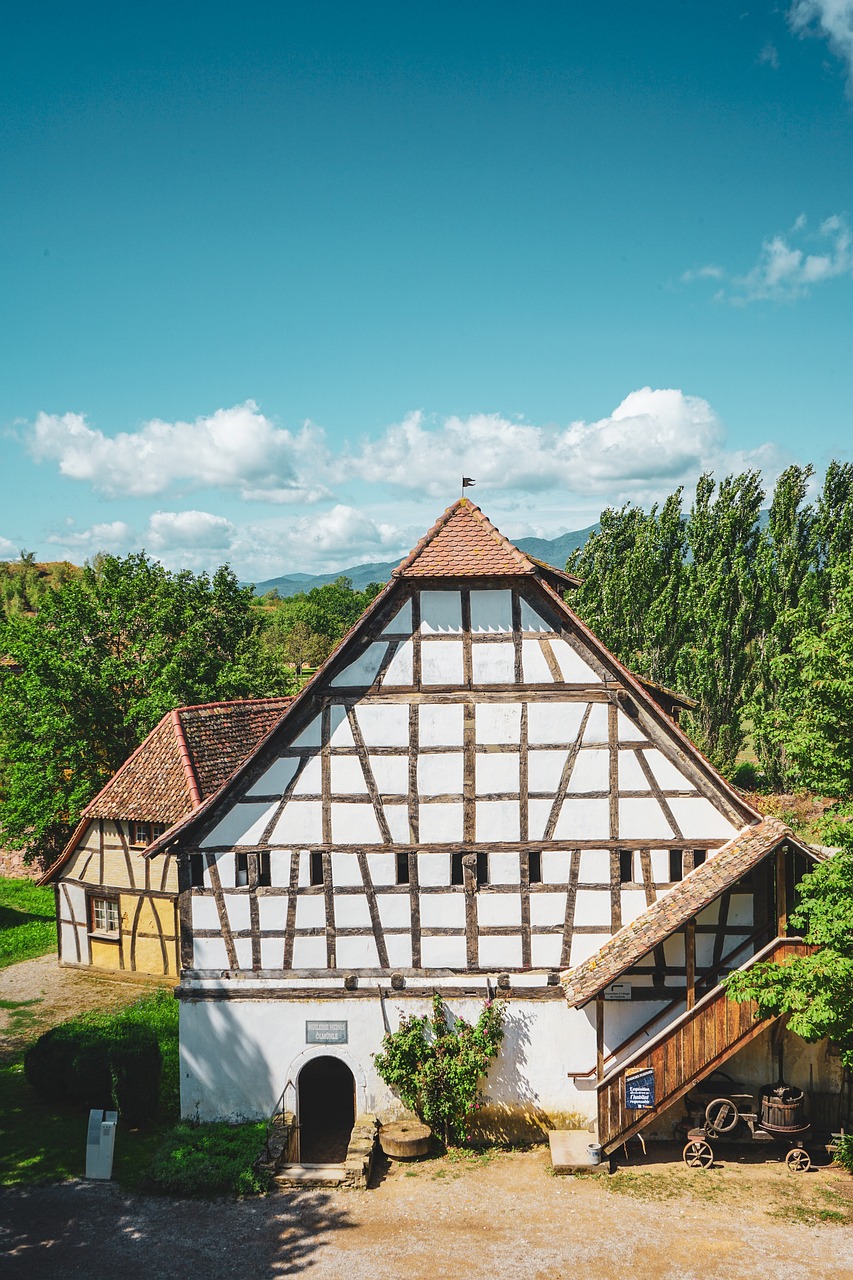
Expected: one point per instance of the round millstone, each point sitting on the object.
(405, 1140)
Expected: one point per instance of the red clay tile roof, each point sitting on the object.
(670, 912)
(464, 543)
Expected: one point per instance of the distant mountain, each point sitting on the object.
(554, 551)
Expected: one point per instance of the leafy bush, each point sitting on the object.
(211, 1159)
(136, 1066)
(435, 1067)
(844, 1153)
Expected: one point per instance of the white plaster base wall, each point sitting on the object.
(239, 1056)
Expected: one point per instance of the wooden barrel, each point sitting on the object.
(782, 1107)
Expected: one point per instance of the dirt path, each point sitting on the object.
(36, 994)
(505, 1218)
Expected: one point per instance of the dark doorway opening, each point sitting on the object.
(326, 1111)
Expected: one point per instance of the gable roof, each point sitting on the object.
(185, 759)
(698, 888)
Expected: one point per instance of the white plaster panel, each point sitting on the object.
(68, 947)
(383, 724)
(497, 772)
(504, 868)
(210, 953)
(544, 770)
(591, 772)
(433, 868)
(355, 824)
(243, 824)
(441, 612)
(443, 910)
(592, 907)
(668, 776)
(399, 948)
(310, 735)
(310, 780)
(704, 951)
(402, 620)
(301, 820)
(631, 776)
(497, 820)
(633, 904)
(555, 866)
(533, 663)
(628, 730)
(400, 670)
(272, 953)
(357, 953)
(554, 722)
(673, 950)
(382, 867)
(363, 670)
(274, 780)
(441, 662)
(345, 870)
(500, 953)
(594, 866)
(243, 947)
(583, 820)
(237, 906)
(596, 726)
(531, 620)
(347, 776)
(311, 911)
(272, 911)
(340, 731)
(304, 878)
(643, 820)
(575, 670)
(493, 663)
(660, 866)
(440, 725)
(496, 909)
(491, 610)
(391, 774)
(395, 911)
(443, 953)
(585, 945)
(538, 812)
(740, 909)
(711, 914)
(397, 817)
(547, 909)
(497, 723)
(546, 950)
(440, 774)
(309, 953)
(351, 911)
(699, 819)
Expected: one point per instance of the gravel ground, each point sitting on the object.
(507, 1218)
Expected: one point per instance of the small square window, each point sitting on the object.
(402, 867)
(699, 856)
(626, 866)
(316, 872)
(676, 865)
(197, 870)
(482, 867)
(264, 874)
(242, 877)
(105, 915)
(456, 874)
(534, 865)
(139, 834)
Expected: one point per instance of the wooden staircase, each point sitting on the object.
(686, 1051)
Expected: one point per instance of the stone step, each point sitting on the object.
(311, 1175)
(569, 1150)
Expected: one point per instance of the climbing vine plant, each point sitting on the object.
(435, 1065)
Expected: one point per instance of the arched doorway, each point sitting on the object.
(326, 1110)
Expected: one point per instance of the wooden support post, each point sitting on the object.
(781, 895)
(690, 961)
(599, 1037)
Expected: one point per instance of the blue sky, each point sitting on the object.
(273, 275)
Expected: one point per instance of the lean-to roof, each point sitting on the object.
(698, 888)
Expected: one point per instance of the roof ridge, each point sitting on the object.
(237, 702)
(499, 540)
(186, 758)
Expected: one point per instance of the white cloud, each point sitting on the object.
(769, 55)
(833, 19)
(8, 550)
(787, 270)
(702, 273)
(114, 536)
(233, 449)
(200, 529)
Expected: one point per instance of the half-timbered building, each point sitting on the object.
(474, 796)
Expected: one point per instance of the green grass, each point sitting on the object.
(210, 1160)
(27, 921)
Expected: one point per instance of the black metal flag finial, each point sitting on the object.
(467, 482)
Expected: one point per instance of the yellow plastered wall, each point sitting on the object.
(105, 955)
(84, 863)
(148, 952)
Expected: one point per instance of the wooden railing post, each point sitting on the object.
(599, 1038)
(690, 961)
(781, 894)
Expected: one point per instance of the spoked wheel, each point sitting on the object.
(798, 1160)
(698, 1154)
(721, 1115)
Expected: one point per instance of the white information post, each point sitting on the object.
(100, 1142)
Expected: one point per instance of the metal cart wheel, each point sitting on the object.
(698, 1154)
(798, 1160)
(721, 1115)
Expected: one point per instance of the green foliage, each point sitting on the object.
(107, 655)
(815, 990)
(210, 1160)
(304, 628)
(435, 1065)
(24, 583)
(27, 920)
(844, 1152)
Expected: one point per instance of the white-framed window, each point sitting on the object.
(105, 918)
(141, 834)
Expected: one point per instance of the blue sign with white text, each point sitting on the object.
(640, 1089)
